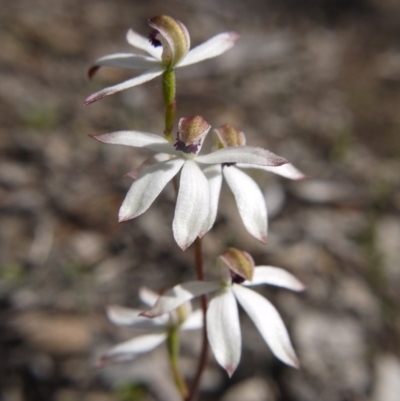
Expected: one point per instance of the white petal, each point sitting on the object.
(223, 329)
(275, 276)
(147, 187)
(243, 154)
(137, 139)
(143, 43)
(268, 322)
(214, 177)
(250, 202)
(136, 346)
(194, 321)
(147, 296)
(141, 79)
(130, 317)
(211, 48)
(192, 205)
(127, 60)
(286, 170)
(180, 294)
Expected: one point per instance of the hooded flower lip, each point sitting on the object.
(173, 53)
(193, 201)
(248, 196)
(223, 328)
(156, 329)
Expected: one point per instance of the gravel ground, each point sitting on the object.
(317, 83)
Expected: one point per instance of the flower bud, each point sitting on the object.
(173, 36)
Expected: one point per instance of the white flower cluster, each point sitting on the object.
(200, 180)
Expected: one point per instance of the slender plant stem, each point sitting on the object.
(173, 352)
(204, 350)
(169, 90)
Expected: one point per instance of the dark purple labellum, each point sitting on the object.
(191, 148)
(153, 38)
(236, 278)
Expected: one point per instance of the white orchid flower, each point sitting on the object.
(158, 328)
(167, 48)
(249, 198)
(223, 328)
(193, 201)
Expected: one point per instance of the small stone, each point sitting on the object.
(387, 378)
(320, 191)
(56, 334)
(254, 389)
(333, 350)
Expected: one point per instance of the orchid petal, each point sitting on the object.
(147, 296)
(145, 77)
(214, 177)
(143, 43)
(124, 60)
(136, 346)
(268, 322)
(138, 140)
(223, 329)
(285, 170)
(275, 276)
(130, 317)
(250, 202)
(147, 187)
(211, 48)
(180, 294)
(192, 205)
(243, 154)
(194, 321)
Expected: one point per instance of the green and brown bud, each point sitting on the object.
(229, 136)
(239, 263)
(191, 133)
(173, 36)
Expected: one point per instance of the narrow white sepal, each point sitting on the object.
(137, 139)
(122, 316)
(194, 321)
(211, 48)
(268, 322)
(140, 79)
(275, 276)
(136, 346)
(127, 60)
(147, 296)
(180, 294)
(286, 170)
(214, 176)
(147, 187)
(192, 205)
(250, 202)
(223, 329)
(140, 42)
(243, 154)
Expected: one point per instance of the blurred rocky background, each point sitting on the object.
(315, 81)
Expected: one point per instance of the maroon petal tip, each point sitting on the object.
(92, 71)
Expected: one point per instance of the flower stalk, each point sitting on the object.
(173, 354)
(169, 91)
(204, 346)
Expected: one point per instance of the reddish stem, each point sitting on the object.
(204, 349)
